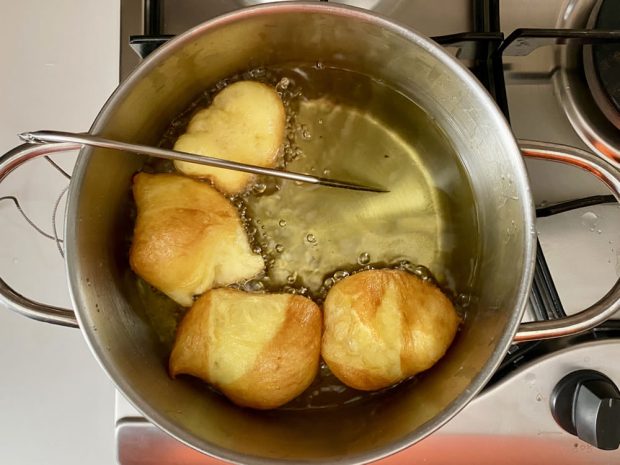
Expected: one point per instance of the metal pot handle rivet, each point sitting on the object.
(8, 296)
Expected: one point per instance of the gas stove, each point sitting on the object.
(556, 84)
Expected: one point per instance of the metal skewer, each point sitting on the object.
(42, 137)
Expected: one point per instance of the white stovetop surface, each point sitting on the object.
(59, 63)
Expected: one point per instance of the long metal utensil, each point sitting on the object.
(43, 137)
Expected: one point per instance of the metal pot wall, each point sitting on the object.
(97, 226)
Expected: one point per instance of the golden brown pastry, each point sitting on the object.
(382, 326)
(260, 350)
(244, 123)
(188, 237)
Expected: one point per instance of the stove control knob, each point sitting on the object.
(586, 403)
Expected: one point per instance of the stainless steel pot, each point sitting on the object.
(96, 228)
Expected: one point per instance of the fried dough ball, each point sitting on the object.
(260, 350)
(383, 326)
(188, 237)
(245, 123)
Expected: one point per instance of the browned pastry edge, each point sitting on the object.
(286, 366)
(366, 290)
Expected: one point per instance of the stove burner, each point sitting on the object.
(576, 94)
(602, 62)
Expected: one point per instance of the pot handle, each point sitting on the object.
(610, 303)
(8, 296)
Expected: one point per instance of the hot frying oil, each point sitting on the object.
(347, 126)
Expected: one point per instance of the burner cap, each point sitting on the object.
(606, 59)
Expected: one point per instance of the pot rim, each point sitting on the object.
(73, 267)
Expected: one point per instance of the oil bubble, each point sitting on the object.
(463, 300)
(259, 188)
(340, 275)
(283, 84)
(254, 285)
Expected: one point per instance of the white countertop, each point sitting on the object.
(59, 64)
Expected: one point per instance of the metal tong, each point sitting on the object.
(43, 137)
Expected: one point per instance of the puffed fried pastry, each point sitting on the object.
(244, 123)
(383, 326)
(188, 237)
(260, 350)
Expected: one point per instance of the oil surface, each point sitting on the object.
(349, 127)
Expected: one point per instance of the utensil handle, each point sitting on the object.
(8, 296)
(46, 137)
(610, 303)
